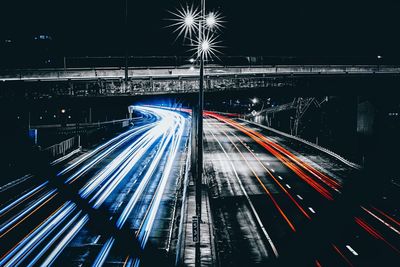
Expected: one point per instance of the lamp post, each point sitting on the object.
(126, 45)
(190, 22)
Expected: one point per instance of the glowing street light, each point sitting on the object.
(214, 20)
(205, 46)
(210, 20)
(185, 21)
(191, 22)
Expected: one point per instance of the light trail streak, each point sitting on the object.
(262, 227)
(50, 193)
(2, 257)
(381, 220)
(30, 242)
(369, 229)
(26, 246)
(26, 214)
(387, 216)
(101, 147)
(274, 178)
(63, 243)
(262, 184)
(21, 199)
(87, 166)
(260, 139)
(53, 240)
(173, 132)
(342, 255)
(123, 163)
(101, 258)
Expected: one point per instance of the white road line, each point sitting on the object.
(280, 177)
(311, 209)
(352, 250)
(272, 170)
(299, 197)
(248, 199)
(288, 186)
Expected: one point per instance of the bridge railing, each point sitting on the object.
(55, 61)
(169, 72)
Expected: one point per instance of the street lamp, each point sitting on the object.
(200, 30)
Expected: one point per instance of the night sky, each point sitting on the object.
(254, 27)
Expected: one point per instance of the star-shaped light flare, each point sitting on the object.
(213, 20)
(207, 47)
(186, 21)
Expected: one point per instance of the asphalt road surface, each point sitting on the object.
(266, 191)
(99, 209)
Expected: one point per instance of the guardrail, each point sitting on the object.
(186, 71)
(320, 148)
(11, 61)
(124, 122)
(63, 147)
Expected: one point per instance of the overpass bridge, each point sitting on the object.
(181, 79)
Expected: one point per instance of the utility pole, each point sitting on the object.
(126, 42)
(199, 173)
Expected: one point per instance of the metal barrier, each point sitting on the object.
(63, 147)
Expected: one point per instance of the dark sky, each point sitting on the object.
(254, 27)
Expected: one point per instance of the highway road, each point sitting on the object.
(101, 208)
(272, 198)
(266, 189)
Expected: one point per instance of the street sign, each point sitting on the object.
(195, 229)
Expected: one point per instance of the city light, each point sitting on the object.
(214, 20)
(205, 46)
(208, 47)
(186, 21)
(199, 29)
(210, 20)
(189, 20)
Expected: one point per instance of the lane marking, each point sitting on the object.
(311, 209)
(352, 250)
(280, 177)
(272, 170)
(267, 236)
(288, 186)
(299, 197)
